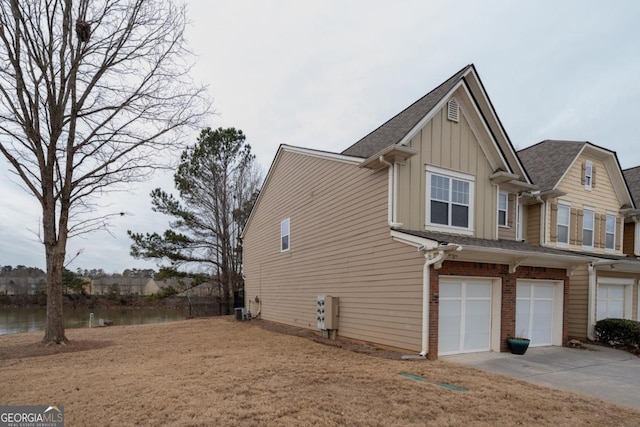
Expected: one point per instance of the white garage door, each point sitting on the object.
(535, 312)
(464, 323)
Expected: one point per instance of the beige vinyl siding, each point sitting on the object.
(340, 246)
(601, 196)
(578, 303)
(451, 146)
(532, 224)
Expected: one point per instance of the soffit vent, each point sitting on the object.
(453, 111)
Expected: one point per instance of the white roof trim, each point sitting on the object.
(322, 154)
(304, 151)
(440, 105)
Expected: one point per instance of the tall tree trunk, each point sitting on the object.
(54, 325)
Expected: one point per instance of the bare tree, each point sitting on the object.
(91, 93)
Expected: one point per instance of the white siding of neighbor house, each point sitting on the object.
(340, 245)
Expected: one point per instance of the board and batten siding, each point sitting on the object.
(453, 146)
(602, 197)
(340, 245)
(533, 221)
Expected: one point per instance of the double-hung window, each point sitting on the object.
(449, 199)
(610, 232)
(564, 218)
(588, 223)
(284, 235)
(588, 175)
(503, 208)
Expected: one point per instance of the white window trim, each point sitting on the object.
(615, 226)
(593, 230)
(429, 169)
(519, 219)
(282, 235)
(588, 167)
(506, 211)
(568, 225)
(628, 293)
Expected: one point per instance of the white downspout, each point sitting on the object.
(390, 218)
(636, 235)
(426, 279)
(591, 307)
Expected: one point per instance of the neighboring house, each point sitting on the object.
(123, 286)
(417, 228)
(631, 243)
(20, 285)
(584, 206)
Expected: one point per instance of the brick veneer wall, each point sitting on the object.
(508, 306)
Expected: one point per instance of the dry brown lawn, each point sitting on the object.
(220, 372)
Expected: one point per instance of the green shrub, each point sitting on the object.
(618, 331)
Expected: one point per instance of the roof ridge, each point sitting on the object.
(449, 82)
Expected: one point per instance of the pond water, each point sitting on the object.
(16, 320)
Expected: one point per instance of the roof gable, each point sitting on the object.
(405, 125)
(395, 129)
(548, 161)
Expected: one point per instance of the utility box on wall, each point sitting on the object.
(327, 312)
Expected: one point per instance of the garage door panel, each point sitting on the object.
(535, 312)
(464, 316)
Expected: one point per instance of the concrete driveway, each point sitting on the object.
(608, 374)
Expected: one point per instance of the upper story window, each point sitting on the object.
(284, 235)
(588, 178)
(503, 208)
(588, 225)
(564, 219)
(610, 232)
(449, 199)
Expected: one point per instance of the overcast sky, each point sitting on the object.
(324, 74)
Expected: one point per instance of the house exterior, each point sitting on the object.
(429, 231)
(586, 207)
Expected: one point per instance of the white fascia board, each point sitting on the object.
(414, 131)
(415, 241)
(566, 171)
(503, 134)
(326, 155)
(570, 259)
(299, 150)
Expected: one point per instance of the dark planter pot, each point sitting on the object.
(518, 345)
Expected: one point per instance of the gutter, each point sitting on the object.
(432, 257)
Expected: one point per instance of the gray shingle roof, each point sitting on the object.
(547, 161)
(632, 176)
(400, 125)
(510, 245)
